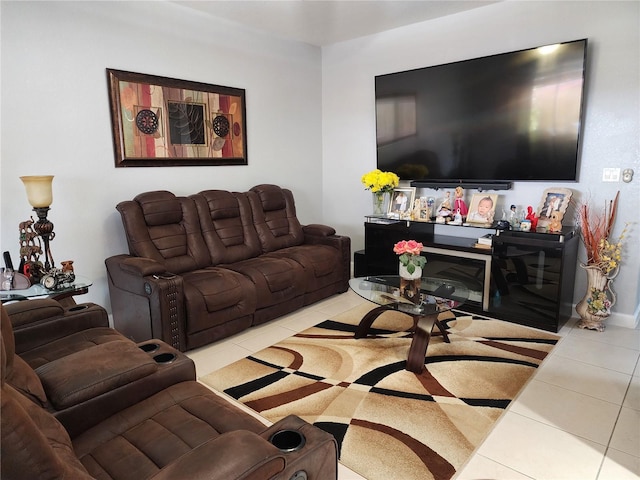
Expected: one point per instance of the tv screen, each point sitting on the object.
(508, 117)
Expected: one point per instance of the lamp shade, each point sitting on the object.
(39, 192)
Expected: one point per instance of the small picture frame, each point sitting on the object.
(423, 213)
(402, 200)
(482, 208)
(553, 206)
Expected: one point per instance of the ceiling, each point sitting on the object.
(324, 22)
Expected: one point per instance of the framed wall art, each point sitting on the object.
(482, 208)
(160, 121)
(401, 204)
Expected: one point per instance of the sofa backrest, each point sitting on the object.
(165, 228)
(227, 226)
(34, 444)
(274, 216)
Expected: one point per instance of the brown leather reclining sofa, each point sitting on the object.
(204, 267)
(128, 421)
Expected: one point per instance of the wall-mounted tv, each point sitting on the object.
(510, 117)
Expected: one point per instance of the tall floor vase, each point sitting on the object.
(596, 305)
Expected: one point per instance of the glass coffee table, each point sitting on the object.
(437, 295)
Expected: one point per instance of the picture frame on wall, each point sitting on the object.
(166, 122)
(482, 208)
(401, 204)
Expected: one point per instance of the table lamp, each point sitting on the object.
(40, 196)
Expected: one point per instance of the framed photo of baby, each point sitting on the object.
(482, 208)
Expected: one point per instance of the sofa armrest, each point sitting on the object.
(318, 230)
(141, 267)
(318, 457)
(146, 300)
(235, 455)
(321, 235)
(40, 321)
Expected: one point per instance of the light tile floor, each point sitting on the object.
(578, 417)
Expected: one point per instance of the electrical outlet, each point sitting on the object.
(610, 174)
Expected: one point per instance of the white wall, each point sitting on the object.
(55, 115)
(611, 130)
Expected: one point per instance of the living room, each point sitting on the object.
(310, 112)
(54, 57)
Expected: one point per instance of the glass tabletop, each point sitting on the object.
(436, 294)
(39, 291)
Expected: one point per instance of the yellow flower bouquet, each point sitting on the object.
(379, 181)
(381, 184)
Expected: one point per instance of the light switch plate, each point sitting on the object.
(610, 174)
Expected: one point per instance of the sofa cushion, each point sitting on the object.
(227, 226)
(33, 311)
(216, 295)
(26, 381)
(159, 208)
(157, 229)
(94, 371)
(155, 432)
(274, 217)
(70, 344)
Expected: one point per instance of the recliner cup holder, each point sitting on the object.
(287, 440)
(164, 358)
(149, 347)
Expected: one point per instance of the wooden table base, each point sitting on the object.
(422, 331)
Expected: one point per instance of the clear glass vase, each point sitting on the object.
(380, 203)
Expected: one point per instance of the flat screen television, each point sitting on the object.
(510, 117)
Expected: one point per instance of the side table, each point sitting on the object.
(63, 295)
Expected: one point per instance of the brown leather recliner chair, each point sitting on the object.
(325, 256)
(227, 227)
(90, 373)
(184, 431)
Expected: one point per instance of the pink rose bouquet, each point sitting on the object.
(409, 251)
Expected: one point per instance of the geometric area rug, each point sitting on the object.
(390, 423)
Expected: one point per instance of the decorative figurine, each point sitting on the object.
(431, 205)
(67, 266)
(513, 217)
(30, 251)
(457, 218)
(444, 210)
(459, 205)
(531, 216)
(555, 225)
